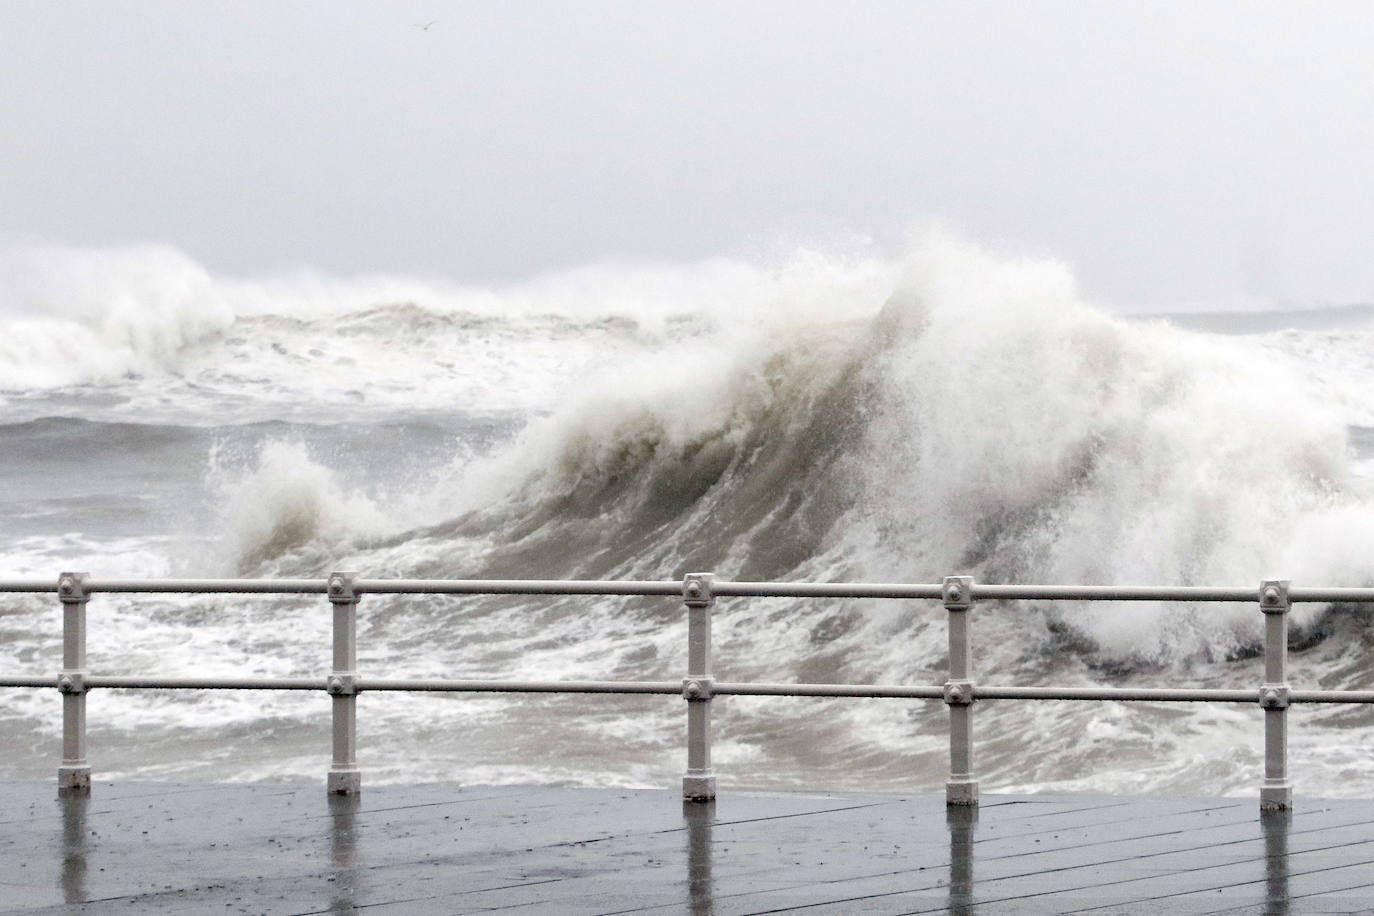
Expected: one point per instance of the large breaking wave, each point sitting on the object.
(949, 412)
(980, 419)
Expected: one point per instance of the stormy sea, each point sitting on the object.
(821, 418)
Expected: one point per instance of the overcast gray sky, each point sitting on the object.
(1170, 152)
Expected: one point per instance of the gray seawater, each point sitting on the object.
(831, 421)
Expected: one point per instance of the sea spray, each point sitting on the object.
(823, 419)
(1028, 437)
(982, 420)
(285, 504)
(70, 317)
(151, 324)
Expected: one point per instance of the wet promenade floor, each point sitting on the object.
(153, 848)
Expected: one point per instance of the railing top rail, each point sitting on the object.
(722, 589)
(1115, 593)
(174, 586)
(320, 586)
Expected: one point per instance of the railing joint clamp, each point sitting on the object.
(1273, 596)
(959, 693)
(341, 589)
(71, 588)
(341, 685)
(698, 689)
(72, 683)
(957, 593)
(696, 590)
(1274, 696)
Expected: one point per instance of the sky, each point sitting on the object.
(1173, 154)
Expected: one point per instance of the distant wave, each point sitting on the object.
(1359, 316)
(77, 317)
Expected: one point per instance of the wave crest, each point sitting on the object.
(982, 419)
(72, 317)
(287, 507)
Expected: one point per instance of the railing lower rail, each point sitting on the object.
(698, 592)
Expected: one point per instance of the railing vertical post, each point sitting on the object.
(962, 788)
(344, 776)
(74, 775)
(699, 782)
(1276, 794)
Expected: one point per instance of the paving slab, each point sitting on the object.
(292, 849)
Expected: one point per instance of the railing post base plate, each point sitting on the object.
(699, 788)
(74, 780)
(1276, 798)
(345, 782)
(962, 793)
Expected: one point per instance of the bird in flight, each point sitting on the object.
(424, 26)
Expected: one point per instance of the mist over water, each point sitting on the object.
(825, 419)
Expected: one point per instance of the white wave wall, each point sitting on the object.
(977, 417)
(948, 411)
(1036, 438)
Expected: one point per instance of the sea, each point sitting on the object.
(818, 417)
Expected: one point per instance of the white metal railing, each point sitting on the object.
(698, 591)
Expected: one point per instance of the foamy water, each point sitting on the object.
(944, 413)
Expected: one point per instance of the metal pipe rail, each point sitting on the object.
(698, 592)
(720, 589)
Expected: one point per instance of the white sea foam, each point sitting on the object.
(1339, 362)
(69, 317)
(1042, 440)
(989, 422)
(822, 419)
(288, 502)
(206, 344)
